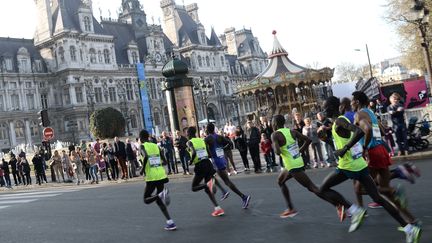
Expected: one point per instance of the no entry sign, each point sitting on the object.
(48, 133)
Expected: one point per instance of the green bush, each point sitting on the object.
(107, 123)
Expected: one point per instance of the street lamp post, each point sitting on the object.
(369, 62)
(234, 98)
(202, 86)
(422, 22)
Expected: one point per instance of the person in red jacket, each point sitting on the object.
(266, 148)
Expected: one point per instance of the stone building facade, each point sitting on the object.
(76, 64)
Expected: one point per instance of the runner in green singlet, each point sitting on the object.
(155, 177)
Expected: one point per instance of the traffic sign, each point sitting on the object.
(48, 133)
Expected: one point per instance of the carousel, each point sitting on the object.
(286, 88)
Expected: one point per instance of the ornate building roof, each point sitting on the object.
(281, 70)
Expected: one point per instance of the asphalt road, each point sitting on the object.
(116, 213)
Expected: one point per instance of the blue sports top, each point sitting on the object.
(216, 150)
(376, 138)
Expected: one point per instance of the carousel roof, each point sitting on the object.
(279, 62)
(282, 70)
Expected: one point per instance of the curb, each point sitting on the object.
(416, 156)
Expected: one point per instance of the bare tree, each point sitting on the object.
(400, 15)
(348, 72)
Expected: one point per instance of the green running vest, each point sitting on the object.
(153, 169)
(353, 158)
(290, 152)
(200, 149)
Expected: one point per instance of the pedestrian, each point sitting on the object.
(253, 136)
(388, 136)
(67, 166)
(57, 166)
(325, 125)
(155, 177)
(13, 164)
(268, 130)
(265, 146)
(314, 149)
(215, 144)
(113, 163)
(229, 155)
(20, 169)
(180, 145)
(105, 158)
(91, 159)
(397, 114)
(37, 161)
(241, 146)
(352, 166)
(131, 159)
(203, 169)
(168, 150)
(6, 173)
(77, 165)
(26, 171)
(120, 154)
(298, 126)
(2, 181)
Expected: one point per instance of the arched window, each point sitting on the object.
(199, 61)
(156, 117)
(222, 61)
(207, 61)
(61, 54)
(92, 55)
(4, 135)
(100, 56)
(19, 129)
(87, 23)
(134, 57)
(34, 129)
(72, 50)
(107, 56)
(133, 121)
(214, 61)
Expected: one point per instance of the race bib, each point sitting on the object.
(376, 132)
(155, 161)
(220, 153)
(201, 154)
(294, 150)
(356, 151)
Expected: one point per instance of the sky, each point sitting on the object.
(319, 33)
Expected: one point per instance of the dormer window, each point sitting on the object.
(87, 23)
(8, 64)
(107, 56)
(92, 55)
(61, 54)
(134, 57)
(73, 53)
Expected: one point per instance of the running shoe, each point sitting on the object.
(171, 227)
(412, 169)
(289, 213)
(357, 219)
(245, 201)
(218, 212)
(341, 212)
(374, 205)
(404, 173)
(211, 185)
(401, 196)
(225, 195)
(413, 234)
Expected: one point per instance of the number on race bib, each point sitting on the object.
(294, 150)
(220, 153)
(155, 161)
(356, 151)
(202, 154)
(376, 132)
